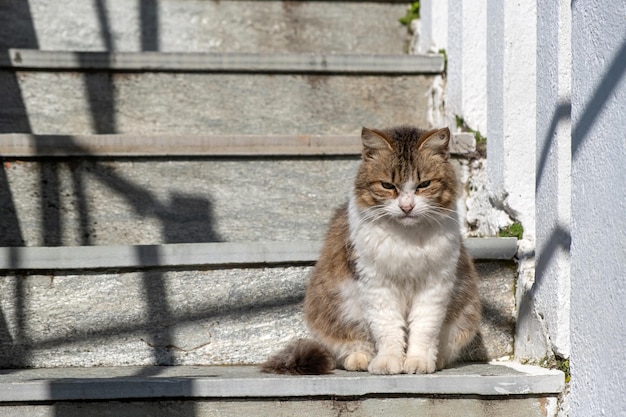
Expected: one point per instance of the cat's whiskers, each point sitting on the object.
(429, 214)
(437, 214)
(372, 214)
(448, 213)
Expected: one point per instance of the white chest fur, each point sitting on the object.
(387, 250)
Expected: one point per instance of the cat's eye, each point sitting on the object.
(387, 185)
(423, 184)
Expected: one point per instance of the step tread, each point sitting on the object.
(183, 25)
(206, 254)
(65, 384)
(116, 145)
(224, 62)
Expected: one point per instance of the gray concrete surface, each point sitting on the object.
(496, 379)
(152, 201)
(101, 202)
(467, 391)
(543, 406)
(182, 316)
(206, 26)
(21, 59)
(25, 145)
(201, 103)
(214, 254)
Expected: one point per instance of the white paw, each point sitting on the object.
(357, 361)
(386, 365)
(419, 365)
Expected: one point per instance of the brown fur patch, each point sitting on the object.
(415, 155)
(302, 357)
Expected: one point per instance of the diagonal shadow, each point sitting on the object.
(208, 311)
(560, 238)
(185, 219)
(562, 113)
(602, 93)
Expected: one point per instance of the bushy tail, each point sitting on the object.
(301, 357)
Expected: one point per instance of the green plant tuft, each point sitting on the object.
(445, 60)
(481, 141)
(514, 230)
(563, 366)
(413, 12)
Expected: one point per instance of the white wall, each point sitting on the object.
(466, 89)
(598, 252)
(556, 136)
(433, 34)
(511, 105)
(511, 145)
(548, 303)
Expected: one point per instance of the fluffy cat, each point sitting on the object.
(394, 290)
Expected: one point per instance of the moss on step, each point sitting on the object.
(481, 141)
(563, 366)
(412, 13)
(514, 230)
(445, 63)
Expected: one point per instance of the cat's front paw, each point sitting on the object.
(357, 361)
(386, 365)
(419, 365)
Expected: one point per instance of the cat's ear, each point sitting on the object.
(436, 140)
(374, 141)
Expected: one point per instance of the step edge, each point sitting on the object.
(25, 145)
(34, 59)
(246, 382)
(212, 254)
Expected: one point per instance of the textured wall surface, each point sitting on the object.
(598, 207)
(552, 275)
(466, 89)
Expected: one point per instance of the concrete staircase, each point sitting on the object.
(169, 168)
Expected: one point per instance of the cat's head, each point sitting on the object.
(405, 175)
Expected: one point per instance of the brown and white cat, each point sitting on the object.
(394, 290)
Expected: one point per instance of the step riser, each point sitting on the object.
(201, 103)
(369, 407)
(206, 26)
(150, 201)
(169, 317)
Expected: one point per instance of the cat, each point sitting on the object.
(394, 290)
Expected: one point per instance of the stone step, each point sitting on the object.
(22, 145)
(186, 304)
(159, 93)
(200, 254)
(290, 63)
(486, 390)
(214, 190)
(206, 26)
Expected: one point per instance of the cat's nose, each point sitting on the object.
(406, 208)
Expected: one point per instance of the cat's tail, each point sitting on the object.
(301, 357)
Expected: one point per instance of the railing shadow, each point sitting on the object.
(559, 238)
(17, 30)
(186, 218)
